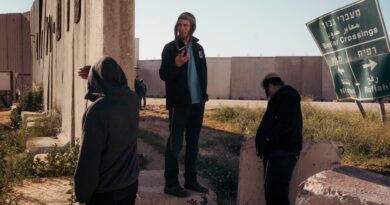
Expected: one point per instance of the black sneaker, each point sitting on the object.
(195, 186)
(177, 191)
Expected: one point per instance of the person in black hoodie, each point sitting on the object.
(279, 138)
(184, 70)
(107, 170)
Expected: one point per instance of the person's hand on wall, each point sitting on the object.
(83, 72)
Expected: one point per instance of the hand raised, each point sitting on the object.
(182, 58)
(83, 72)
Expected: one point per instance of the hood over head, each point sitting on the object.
(106, 77)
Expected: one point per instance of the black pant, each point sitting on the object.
(143, 98)
(188, 120)
(126, 196)
(278, 169)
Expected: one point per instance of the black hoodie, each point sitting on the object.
(108, 160)
(281, 126)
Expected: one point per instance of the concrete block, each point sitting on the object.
(27, 114)
(40, 145)
(315, 157)
(32, 124)
(345, 185)
(151, 190)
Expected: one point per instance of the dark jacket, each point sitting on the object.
(281, 126)
(176, 82)
(108, 156)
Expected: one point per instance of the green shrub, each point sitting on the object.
(245, 120)
(57, 163)
(46, 127)
(363, 139)
(16, 117)
(227, 141)
(222, 171)
(30, 101)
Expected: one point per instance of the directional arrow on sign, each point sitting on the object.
(371, 64)
(341, 71)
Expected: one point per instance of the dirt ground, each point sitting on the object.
(54, 190)
(5, 118)
(155, 119)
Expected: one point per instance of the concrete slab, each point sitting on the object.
(151, 190)
(27, 114)
(38, 145)
(315, 157)
(345, 185)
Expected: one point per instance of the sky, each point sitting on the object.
(229, 28)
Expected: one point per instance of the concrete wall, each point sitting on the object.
(247, 74)
(328, 90)
(303, 73)
(148, 70)
(218, 74)
(240, 77)
(15, 48)
(61, 46)
(218, 77)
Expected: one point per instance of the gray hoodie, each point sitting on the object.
(108, 156)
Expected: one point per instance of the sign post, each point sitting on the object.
(355, 45)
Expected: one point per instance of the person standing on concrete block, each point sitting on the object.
(279, 138)
(107, 170)
(184, 70)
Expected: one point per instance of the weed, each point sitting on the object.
(30, 101)
(46, 127)
(363, 139)
(222, 171)
(57, 163)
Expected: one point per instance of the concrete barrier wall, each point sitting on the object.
(328, 91)
(148, 70)
(247, 74)
(15, 48)
(62, 46)
(291, 70)
(311, 84)
(218, 73)
(240, 77)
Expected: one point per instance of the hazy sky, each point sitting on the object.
(229, 27)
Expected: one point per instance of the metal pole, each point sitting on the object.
(382, 109)
(362, 111)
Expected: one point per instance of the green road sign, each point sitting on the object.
(354, 43)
